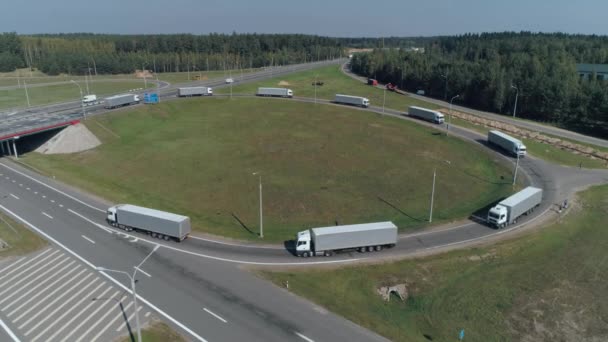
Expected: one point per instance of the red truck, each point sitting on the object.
(372, 82)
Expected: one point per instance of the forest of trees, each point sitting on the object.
(484, 68)
(114, 54)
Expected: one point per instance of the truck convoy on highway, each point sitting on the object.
(121, 100)
(362, 237)
(426, 114)
(510, 209)
(158, 224)
(279, 92)
(507, 143)
(194, 91)
(352, 100)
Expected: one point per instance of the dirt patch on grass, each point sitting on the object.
(284, 83)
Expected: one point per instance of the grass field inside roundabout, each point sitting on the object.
(319, 164)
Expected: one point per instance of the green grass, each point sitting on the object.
(20, 239)
(546, 286)
(158, 332)
(319, 164)
(335, 83)
(59, 93)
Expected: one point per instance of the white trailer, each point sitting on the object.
(121, 100)
(279, 92)
(158, 224)
(507, 143)
(194, 91)
(509, 210)
(362, 237)
(352, 100)
(426, 114)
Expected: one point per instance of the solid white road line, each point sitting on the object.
(22, 287)
(91, 315)
(232, 244)
(120, 314)
(11, 265)
(47, 215)
(86, 238)
(90, 221)
(52, 188)
(40, 293)
(304, 337)
(26, 263)
(116, 282)
(76, 316)
(142, 271)
(130, 318)
(215, 315)
(39, 312)
(13, 196)
(26, 270)
(9, 331)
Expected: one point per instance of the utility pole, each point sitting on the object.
(516, 167)
(445, 96)
(432, 195)
(516, 95)
(447, 131)
(144, 73)
(261, 217)
(27, 96)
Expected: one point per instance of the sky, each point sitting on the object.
(335, 18)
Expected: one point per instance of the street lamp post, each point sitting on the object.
(445, 96)
(384, 100)
(516, 167)
(315, 89)
(447, 131)
(432, 195)
(261, 215)
(27, 96)
(132, 279)
(516, 95)
(84, 116)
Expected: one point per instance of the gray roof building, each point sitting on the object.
(586, 70)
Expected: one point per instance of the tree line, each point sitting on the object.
(113, 54)
(489, 70)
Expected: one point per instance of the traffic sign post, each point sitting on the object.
(150, 98)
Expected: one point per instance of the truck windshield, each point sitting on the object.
(493, 215)
(300, 243)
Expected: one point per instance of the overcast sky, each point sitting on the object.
(352, 18)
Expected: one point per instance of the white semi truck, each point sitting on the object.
(158, 224)
(194, 91)
(510, 209)
(89, 100)
(121, 100)
(426, 114)
(507, 143)
(352, 100)
(279, 92)
(362, 237)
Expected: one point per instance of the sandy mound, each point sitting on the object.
(72, 139)
(284, 83)
(142, 73)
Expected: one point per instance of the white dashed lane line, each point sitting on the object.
(47, 215)
(304, 337)
(142, 271)
(88, 239)
(215, 315)
(13, 196)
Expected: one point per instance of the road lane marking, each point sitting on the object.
(75, 317)
(50, 187)
(86, 238)
(215, 315)
(39, 312)
(52, 201)
(43, 196)
(35, 192)
(120, 315)
(304, 337)
(29, 261)
(11, 265)
(27, 189)
(9, 331)
(89, 264)
(15, 197)
(47, 215)
(14, 181)
(92, 314)
(61, 206)
(36, 279)
(147, 314)
(232, 244)
(24, 278)
(20, 184)
(39, 293)
(99, 320)
(142, 271)
(27, 269)
(90, 221)
(128, 319)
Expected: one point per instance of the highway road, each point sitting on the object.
(534, 126)
(199, 286)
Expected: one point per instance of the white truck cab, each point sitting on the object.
(303, 242)
(289, 93)
(365, 102)
(111, 218)
(497, 216)
(439, 118)
(89, 99)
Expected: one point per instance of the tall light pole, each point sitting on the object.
(516, 167)
(132, 279)
(315, 89)
(144, 73)
(445, 96)
(516, 95)
(432, 195)
(27, 96)
(384, 99)
(447, 131)
(261, 215)
(81, 102)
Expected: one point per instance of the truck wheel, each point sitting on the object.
(154, 235)
(378, 248)
(166, 238)
(328, 253)
(362, 249)
(306, 254)
(370, 248)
